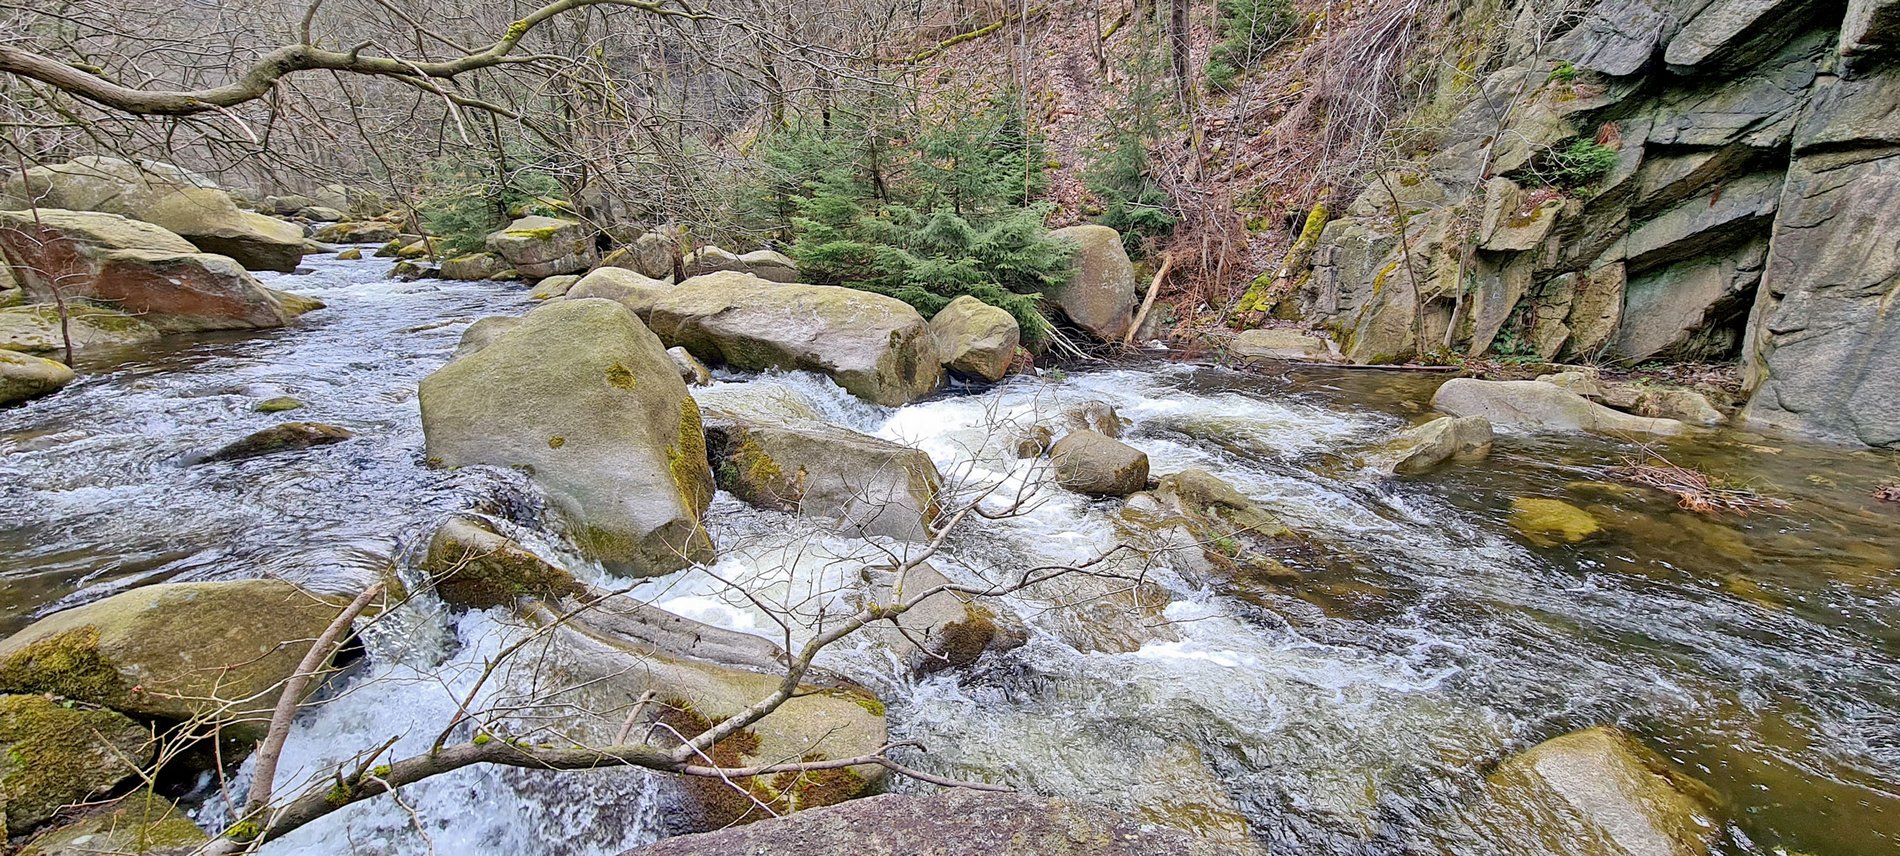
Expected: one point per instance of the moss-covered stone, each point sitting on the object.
(23, 377)
(37, 328)
(859, 483)
(140, 823)
(1597, 792)
(1549, 522)
(277, 404)
(54, 754)
(173, 651)
(287, 437)
(472, 566)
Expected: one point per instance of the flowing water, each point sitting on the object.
(1355, 711)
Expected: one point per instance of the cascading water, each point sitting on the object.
(1353, 712)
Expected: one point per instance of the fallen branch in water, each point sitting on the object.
(1694, 490)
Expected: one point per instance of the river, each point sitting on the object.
(1352, 712)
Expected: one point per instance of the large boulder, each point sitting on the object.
(1447, 438)
(625, 287)
(707, 260)
(1278, 344)
(141, 268)
(53, 755)
(952, 822)
(860, 484)
(1536, 406)
(473, 266)
(770, 264)
(1096, 464)
(1100, 295)
(584, 397)
(23, 376)
(471, 565)
(878, 348)
(174, 651)
(357, 232)
(139, 823)
(945, 630)
(650, 255)
(541, 247)
(598, 658)
(167, 197)
(976, 340)
(1598, 792)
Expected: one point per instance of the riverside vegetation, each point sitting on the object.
(679, 429)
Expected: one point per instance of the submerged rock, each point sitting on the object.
(277, 405)
(139, 267)
(1100, 295)
(1097, 416)
(1535, 406)
(878, 348)
(976, 340)
(860, 484)
(1447, 438)
(950, 822)
(472, 566)
(540, 247)
(1600, 793)
(1549, 522)
(58, 755)
(23, 377)
(1093, 463)
(173, 650)
(287, 437)
(1200, 522)
(141, 823)
(584, 397)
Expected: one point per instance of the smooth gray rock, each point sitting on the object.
(1534, 406)
(1092, 463)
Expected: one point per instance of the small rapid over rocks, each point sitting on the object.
(1367, 694)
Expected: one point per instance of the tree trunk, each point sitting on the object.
(1178, 47)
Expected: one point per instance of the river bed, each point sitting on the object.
(1353, 712)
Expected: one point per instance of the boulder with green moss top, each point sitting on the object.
(473, 266)
(1099, 295)
(943, 630)
(1447, 438)
(277, 404)
(288, 437)
(167, 197)
(553, 287)
(629, 289)
(1196, 512)
(698, 675)
(976, 340)
(540, 247)
(473, 566)
(54, 754)
(1598, 792)
(1090, 462)
(584, 397)
(350, 255)
(416, 250)
(38, 329)
(134, 266)
(1536, 406)
(139, 823)
(174, 651)
(410, 270)
(860, 484)
(1549, 522)
(357, 232)
(294, 305)
(23, 376)
(878, 348)
(954, 822)
(650, 255)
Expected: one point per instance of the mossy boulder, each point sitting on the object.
(858, 483)
(473, 266)
(288, 437)
(553, 287)
(540, 247)
(1598, 792)
(415, 250)
(472, 566)
(173, 651)
(23, 376)
(1447, 438)
(136, 267)
(1093, 463)
(975, 339)
(1099, 296)
(139, 823)
(36, 328)
(277, 404)
(357, 232)
(1549, 522)
(1536, 406)
(352, 254)
(650, 255)
(582, 396)
(946, 630)
(484, 331)
(1200, 522)
(707, 260)
(878, 348)
(627, 288)
(54, 754)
